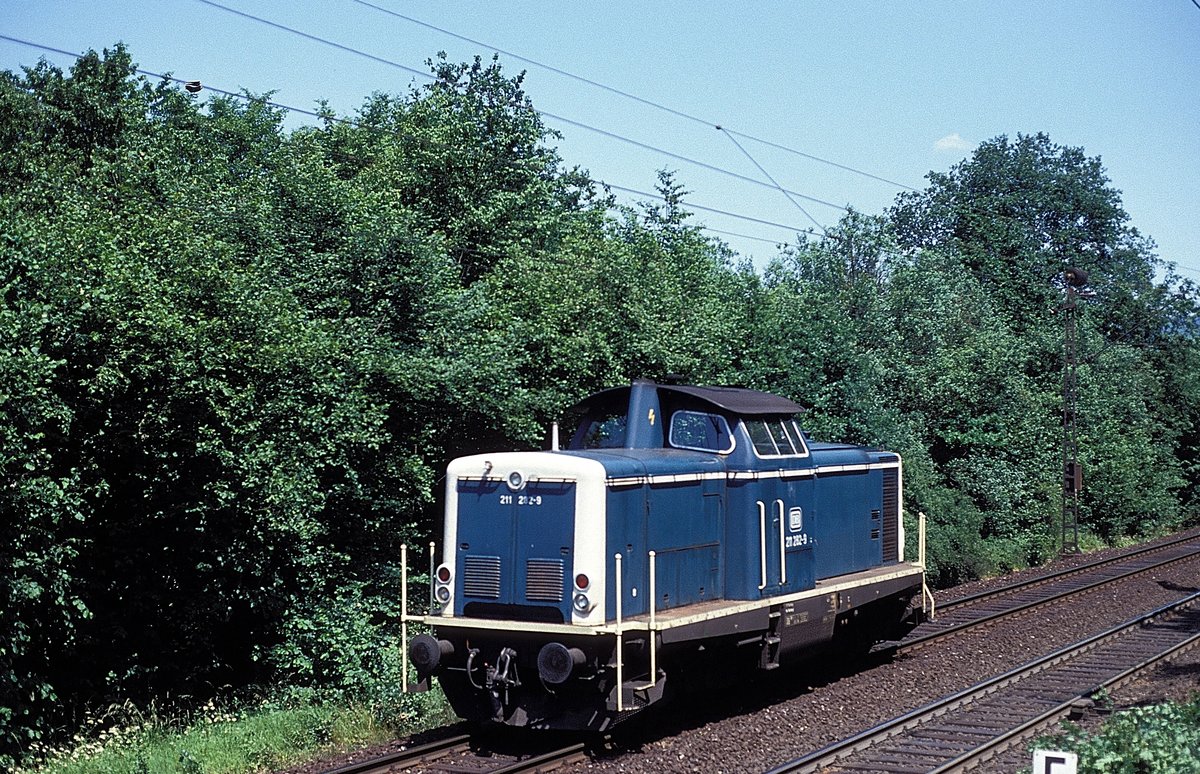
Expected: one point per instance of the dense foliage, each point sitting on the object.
(1157, 739)
(236, 357)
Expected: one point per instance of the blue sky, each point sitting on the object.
(895, 89)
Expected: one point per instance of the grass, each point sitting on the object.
(264, 739)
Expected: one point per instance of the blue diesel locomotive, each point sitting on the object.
(683, 530)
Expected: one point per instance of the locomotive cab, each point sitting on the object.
(575, 583)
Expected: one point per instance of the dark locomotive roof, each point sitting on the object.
(736, 400)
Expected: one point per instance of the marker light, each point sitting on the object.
(581, 581)
(443, 574)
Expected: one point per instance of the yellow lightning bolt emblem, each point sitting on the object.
(650, 416)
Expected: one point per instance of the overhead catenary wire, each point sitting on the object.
(762, 169)
(350, 122)
(544, 113)
(695, 162)
(547, 114)
(184, 82)
(326, 116)
(732, 133)
(628, 95)
(701, 207)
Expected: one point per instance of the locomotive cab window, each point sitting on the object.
(599, 424)
(605, 431)
(700, 431)
(776, 438)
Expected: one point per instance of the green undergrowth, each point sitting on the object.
(1158, 739)
(215, 740)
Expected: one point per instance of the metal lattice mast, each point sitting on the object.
(1072, 470)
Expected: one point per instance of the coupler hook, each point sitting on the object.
(504, 664)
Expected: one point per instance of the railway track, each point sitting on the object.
(984, 607)
(973, 725)
(463, 754)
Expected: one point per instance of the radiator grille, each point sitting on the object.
(544, 580)
(891, 515)
(481, 576)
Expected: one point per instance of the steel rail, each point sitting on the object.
(919, 641)
(434, 752)
(1060, 574)
(1142, 629)
(545, 762)
(410, 755)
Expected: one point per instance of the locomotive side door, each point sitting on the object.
(798, 486)
(783, 499)
(783, 503)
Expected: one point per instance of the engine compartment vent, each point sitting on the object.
(544, 580)
(891, 515)
(481, 576)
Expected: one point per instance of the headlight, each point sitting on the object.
(581, 603)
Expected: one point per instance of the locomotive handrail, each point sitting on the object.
(432, 575)
(620, 638)
(762, 542)
(926, 594)
(404, 617)
(782, 547)
(651, 626)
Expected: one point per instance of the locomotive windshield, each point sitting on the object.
(700, 431)
(600, 424)
(603, 431)
(776, 437)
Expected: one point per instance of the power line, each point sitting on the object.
(695, 206)
(689, 160)
(823, 161)
(634, 97)
(731, 133)
(350, 122)
(776, 242)
(543, 113)
(772, 179)
(185, 82)
(317, 39)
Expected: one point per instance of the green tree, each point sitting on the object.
(1013, 216)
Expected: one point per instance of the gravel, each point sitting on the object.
(764, 723)
(805, 714)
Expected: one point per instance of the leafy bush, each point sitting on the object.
(1160, 739)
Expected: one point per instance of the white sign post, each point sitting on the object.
(1054, 762)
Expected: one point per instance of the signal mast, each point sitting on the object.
(1075, 281)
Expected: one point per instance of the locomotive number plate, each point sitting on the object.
(507, 499)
